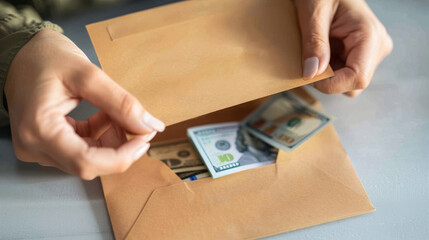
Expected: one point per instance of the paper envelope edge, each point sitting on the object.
(101, 39)
(135, 187)
(357, 188)
(346, 166)
(346, 162)
(304, 82)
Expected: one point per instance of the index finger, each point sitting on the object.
(95, 86)
(88, 162)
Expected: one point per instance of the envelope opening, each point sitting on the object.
(234, 113)
(191, 74)
(288, 195)
(317, 179)
(177, 132)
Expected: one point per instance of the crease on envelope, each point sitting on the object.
(321, 148)
(188, 188)
(357, 191)
(131, 189)
(318, 145)
(340, 173)
(337, 199)
(187, 68)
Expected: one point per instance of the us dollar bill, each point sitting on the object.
(180, 156)
(286, 121)
(184, 175)
(226, 148)
(197, 176)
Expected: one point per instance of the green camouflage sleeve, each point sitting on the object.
(17, 27)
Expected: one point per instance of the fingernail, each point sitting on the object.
(141, 151)
(311, 65)
(149, 136)
(152, 122)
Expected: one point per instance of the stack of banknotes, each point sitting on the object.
(182, 158)
(284, 122)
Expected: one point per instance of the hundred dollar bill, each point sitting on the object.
(227, 149)
(180, 156)
(286, 121)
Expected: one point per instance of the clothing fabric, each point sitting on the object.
(17, 26)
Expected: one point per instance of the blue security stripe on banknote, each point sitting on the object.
(196, 177)
(286, 121)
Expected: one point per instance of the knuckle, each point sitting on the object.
(365, 35)
(89, 74)
(85, 78)
(128, 106)
(361, 81)
(369, 25)
(81, 166)
(88, 177)
(352, 94)
(47, 125)
(122, 166)
(20, 153)
(388, 43)
(78, 168)
(25, 131)
(326, 88)
(330, 89)
(384, 38)
(82, 171)
(317, 42)
(26, 137)
(90, 71)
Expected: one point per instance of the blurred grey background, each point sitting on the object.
(385, 131)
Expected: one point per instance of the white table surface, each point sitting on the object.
(385, 131)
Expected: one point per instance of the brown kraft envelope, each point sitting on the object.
(208, 61)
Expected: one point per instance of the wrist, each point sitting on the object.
(11, 59)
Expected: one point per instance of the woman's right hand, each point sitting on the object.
(345, 33)
(47, 79)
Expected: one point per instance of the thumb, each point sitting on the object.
(96, 87)
(314, 20)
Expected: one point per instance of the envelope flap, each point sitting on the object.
(294, 193)
(289, 204)
(126, 193)
(321, 152)
(225, 53)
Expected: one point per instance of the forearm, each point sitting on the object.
(17, 27)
